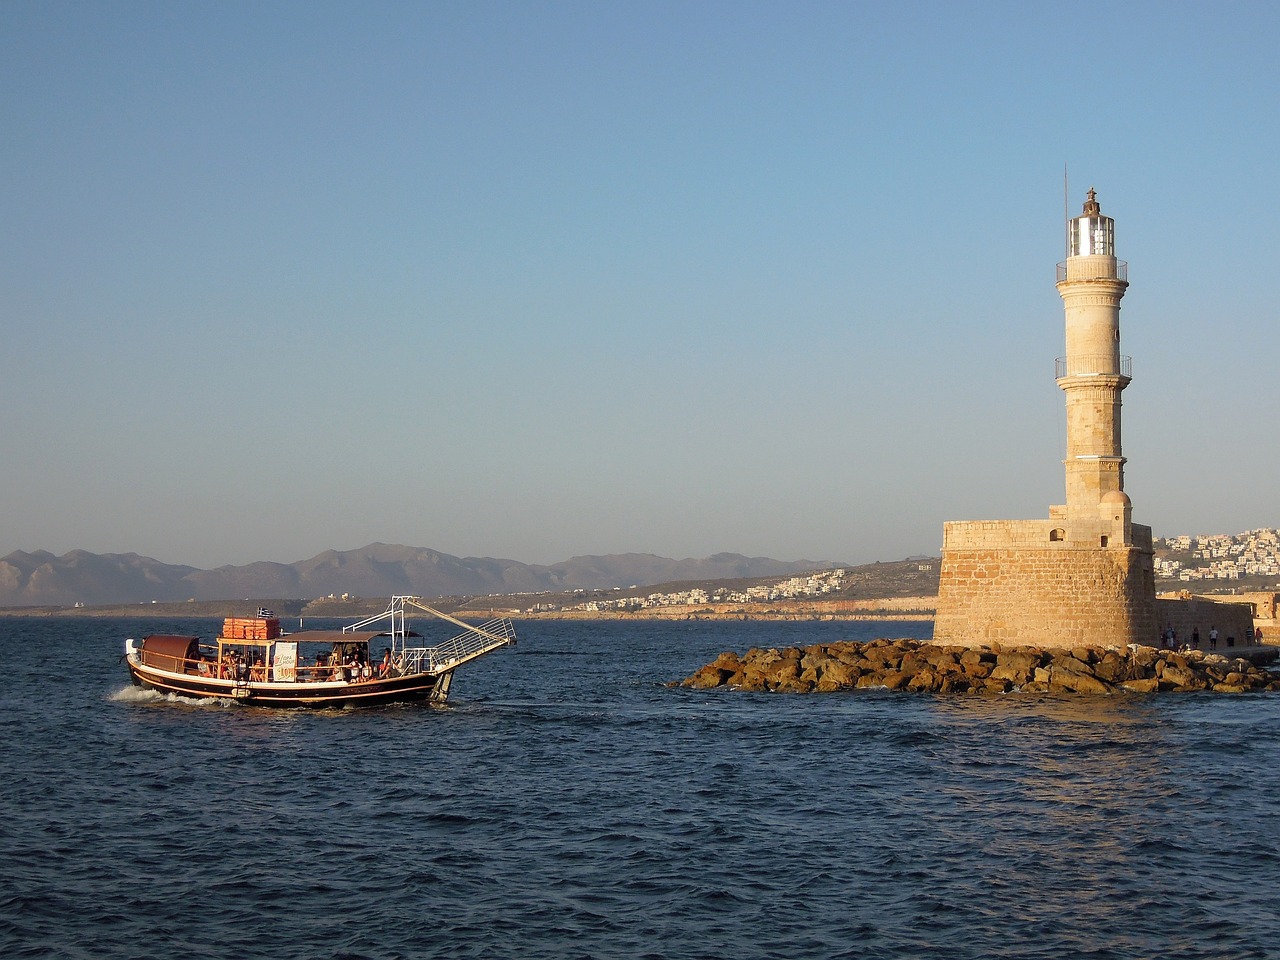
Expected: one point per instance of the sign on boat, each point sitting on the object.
(374, 661)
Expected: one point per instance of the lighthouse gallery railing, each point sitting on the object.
(1092, 367)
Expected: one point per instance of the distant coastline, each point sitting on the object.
(892, 608)
(888, 608)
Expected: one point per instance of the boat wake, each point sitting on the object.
(132, 694)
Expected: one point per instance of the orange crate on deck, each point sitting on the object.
(251, 628)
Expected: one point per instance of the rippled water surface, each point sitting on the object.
(567, 805)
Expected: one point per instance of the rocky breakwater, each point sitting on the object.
(910, 665)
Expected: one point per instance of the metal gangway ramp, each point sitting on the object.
(474, 642)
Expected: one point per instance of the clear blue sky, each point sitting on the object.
(533, 280)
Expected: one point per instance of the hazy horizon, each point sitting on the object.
(556, 280)
(461, 556)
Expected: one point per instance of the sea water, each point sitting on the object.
(568, 804)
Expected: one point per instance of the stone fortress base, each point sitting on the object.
(1019, 582)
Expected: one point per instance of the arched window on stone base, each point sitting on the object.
(1104, 542)
(1057, 534)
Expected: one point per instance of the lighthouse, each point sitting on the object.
(1093, 374)
(1084, 576)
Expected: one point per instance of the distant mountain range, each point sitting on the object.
(378, 570)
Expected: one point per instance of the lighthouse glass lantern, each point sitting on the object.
(1092, 235)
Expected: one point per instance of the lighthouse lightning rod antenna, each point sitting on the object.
(1066, 252)
(1066, 216)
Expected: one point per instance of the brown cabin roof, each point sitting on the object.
(167, 652)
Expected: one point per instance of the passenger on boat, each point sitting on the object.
(202, 666)
(258, 672)
(384, 669)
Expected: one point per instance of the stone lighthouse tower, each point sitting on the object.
(1093, 374)
(1085, 575)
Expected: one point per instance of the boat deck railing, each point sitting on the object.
(209, 669)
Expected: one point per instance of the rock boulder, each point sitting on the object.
(909, 665)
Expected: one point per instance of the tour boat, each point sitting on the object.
(375, 661)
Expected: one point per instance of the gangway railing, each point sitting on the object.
(455, 651)
(474, 642)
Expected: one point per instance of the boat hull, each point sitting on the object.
(416, 688)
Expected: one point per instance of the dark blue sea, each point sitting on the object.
(569, 805)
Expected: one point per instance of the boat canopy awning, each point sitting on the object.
(336, 636)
